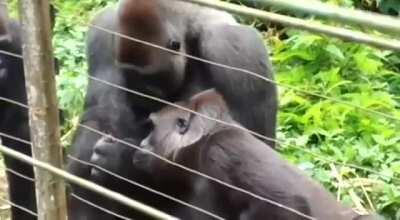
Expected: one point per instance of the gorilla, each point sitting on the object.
(180, 27)
(14, 119)
(233, 156)
(185, 28)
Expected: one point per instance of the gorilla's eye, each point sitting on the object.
(174, 45)
(183, 125)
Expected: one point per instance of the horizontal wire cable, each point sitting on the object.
(99, 207)
(19, 207)
(19, 174)
(146, 187)
(14, 102)
(14, 204)
(74, 195)
(15, 138)
(11, 54)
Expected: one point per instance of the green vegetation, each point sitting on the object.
(69, 47)
(356, 74)
(309, 125)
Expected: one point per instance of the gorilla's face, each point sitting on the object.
(142, 54)
(175, 129)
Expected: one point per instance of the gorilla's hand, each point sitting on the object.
(111, 156)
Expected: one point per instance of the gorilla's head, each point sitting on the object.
(147, 21)
(175, 129)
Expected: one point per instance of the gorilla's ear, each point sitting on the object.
(210, 103)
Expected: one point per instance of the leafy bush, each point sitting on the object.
(69, 47)
(358, 75)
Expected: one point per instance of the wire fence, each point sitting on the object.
(186, 169)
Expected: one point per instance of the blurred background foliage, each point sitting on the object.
(329, 131)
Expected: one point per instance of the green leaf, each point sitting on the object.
(335, 51)
(366, 64)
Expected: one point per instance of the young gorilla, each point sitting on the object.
(233, 156)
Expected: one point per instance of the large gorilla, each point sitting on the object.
(183, 27)
(14, 119)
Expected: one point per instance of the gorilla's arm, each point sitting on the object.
(113, 119)
(253, 102)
